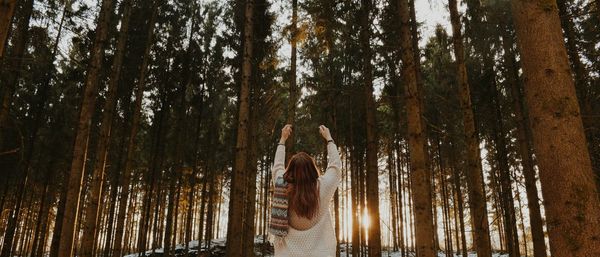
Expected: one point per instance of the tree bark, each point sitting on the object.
(44, 210)
(109, 240)
(460, 209)
(524, 149)
(16, 53)
(584, 86)
(289, 147)
(355, 207)
(250, 197)
(372, 182)
(80, 146)
(393, 197)
(171, 229)
(506, 194)
(401, 187)
(169, 232)
(420, 174)
(20, 41)
(60, 210)
(90, 231)
(578, 68)
(43, 94)
(131, 146)
(475, 187)
(241, 169)
(203, 200)
(568, 187)
(7, 9)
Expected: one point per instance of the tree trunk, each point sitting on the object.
(210, 212)
(393, 197)
(241, 169)
(131, 146)
(209, 178)
(44, 209)
(80, 146)
(289, 147)
(128, 230)
(420, 174)
(171, 229)
(9, 82)
(436, 242)
(169, 232)
(196, 146)
(475, 188)
(401, 188)
(60, 210)
(524, 148)
(459, 201)
(355, 211)
(522, 225)
(571, 198)
(506, 195)
(108, 242)
(250, 197)
(153, 221)
(578, 68)
(43, 95)
(90, 232)
(7, 9)
(372, 182)
(445, 200)
(203, 200)
(584, 87)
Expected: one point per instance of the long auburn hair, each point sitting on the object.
(302, 175)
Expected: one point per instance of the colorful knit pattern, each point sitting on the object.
(279, 209)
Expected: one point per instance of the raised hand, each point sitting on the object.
(325, 133)
(286, 131)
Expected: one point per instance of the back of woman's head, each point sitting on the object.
(302, 175)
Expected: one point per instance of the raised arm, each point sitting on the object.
(333, 173)
(279, 162)
(334, 164)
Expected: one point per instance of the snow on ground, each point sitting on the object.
(217, 248)
(440, 254)
(412, 254)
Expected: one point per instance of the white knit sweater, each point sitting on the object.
(312, 237)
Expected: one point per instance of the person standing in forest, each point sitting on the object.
(301, 217)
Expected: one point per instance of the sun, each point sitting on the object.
(365, 219)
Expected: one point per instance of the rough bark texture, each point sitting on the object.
(95, 193)
(70, 217)
(372, 176)
(474, 174)
(578, 68)
(9, 84)
(241, 169)
(571, 197)
(131, 145)
(250, 195)
(524, 149)
(7, 9)
(14, 60)
(506, 195)
(420, 175)
(289, 144)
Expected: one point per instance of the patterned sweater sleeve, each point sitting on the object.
(278, 165)
(333, 173)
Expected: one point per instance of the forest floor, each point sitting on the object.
(265, 249)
